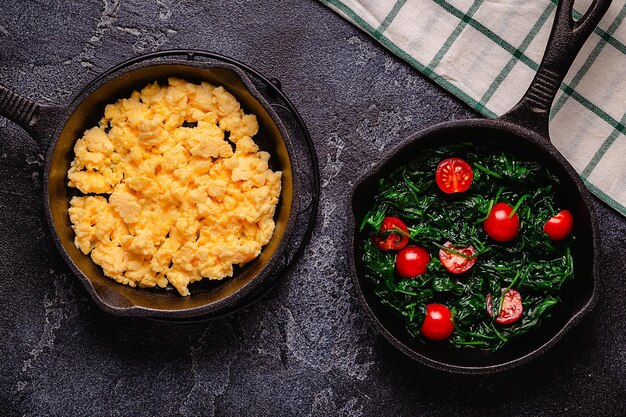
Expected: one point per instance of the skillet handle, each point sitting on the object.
(26, 113)
(565, 41)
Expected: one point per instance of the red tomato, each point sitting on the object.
(499, 226)
(511, 309)
(454, 175)
(438, 323)
(412, 261)
(455, 263)
(559, 226)
(393, 241)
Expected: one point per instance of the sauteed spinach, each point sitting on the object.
(531, 263)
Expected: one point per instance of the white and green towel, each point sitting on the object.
(486, 52)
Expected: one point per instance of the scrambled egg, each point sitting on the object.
(184, 202)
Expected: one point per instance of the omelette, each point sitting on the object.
(175, 188)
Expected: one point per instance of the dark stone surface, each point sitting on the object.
(307, 349)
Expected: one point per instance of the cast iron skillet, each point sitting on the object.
(62, 126)
(524, 131)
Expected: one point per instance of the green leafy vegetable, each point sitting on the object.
(532, 264)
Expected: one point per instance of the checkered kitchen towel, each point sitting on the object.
(486, 52)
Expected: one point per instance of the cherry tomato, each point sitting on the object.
(438, 323)
(560, 225)
(499, 226)
(412, 261)
(454, 175)
(393, 241)
(455, 263)
(511, 309)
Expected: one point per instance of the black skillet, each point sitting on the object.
(524, 131)
(62, 126)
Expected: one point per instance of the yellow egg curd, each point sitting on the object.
(176, 203)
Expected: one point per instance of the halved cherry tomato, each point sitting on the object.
(499, 226)
(456, 263)
(393, 241)
(438, 323)
(560, 225)
(412, 261)
(511, 309)
(454, 175)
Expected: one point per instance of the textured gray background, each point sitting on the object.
(307, 349)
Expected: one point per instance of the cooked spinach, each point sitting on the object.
(532, 263)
